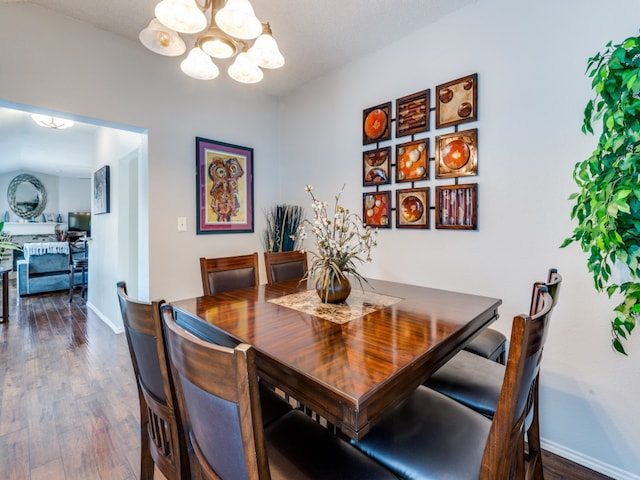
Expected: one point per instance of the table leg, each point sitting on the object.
(72, 275)
(5, 295)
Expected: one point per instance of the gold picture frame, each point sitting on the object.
(376, 209)
(457, 101)
(376, 167)
(457, 207)
(412, 208)
(457, 154)
(412, 161)
(376, 123)
(412, 113)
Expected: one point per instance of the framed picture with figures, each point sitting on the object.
(224, 187)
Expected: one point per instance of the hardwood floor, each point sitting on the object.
(68, 400)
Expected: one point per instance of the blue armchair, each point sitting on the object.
(45, 268)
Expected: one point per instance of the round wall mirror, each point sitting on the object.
(27, 196)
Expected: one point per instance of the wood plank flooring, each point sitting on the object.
(68, 400)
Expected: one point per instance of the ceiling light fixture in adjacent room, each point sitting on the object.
(49, 121)
(224, 28)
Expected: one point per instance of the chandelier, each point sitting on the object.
(224, 30)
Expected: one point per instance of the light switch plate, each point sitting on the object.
(182, 224)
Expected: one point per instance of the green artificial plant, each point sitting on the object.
(607, 207)
(5, 241)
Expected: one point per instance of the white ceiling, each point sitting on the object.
(315, 37)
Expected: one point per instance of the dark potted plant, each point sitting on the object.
(283, 222)
(607, 207)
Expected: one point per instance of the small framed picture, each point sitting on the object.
(457, 154)
(101, 193)
(376, 124)
(457, 207)
(376, 209)
(412, 161)
(376, 166)
(412, 208)
(49, 217)
(412, 113)
(457, 101)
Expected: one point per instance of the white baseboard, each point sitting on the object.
(586, 461)
(109, 323)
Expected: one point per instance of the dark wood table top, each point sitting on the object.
(353, 373)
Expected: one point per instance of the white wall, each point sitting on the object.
(113, 148)
(530, 58)
(64, 194)
(112, 79)
(74, 195)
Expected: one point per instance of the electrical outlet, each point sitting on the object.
(182, 224)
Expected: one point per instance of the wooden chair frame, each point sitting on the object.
(504, 452)
(280, 258)
(222, 264)
(161, 434)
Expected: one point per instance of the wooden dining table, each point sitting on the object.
(350, 363)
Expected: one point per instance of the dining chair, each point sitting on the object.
(476, 382)
(223, 274)
(283, 266)
(78, 262)
(161, 433)
(431, 436)
(218, 393)
(489, 344)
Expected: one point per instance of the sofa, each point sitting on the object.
(45, 268)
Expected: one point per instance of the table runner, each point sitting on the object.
(357, 305)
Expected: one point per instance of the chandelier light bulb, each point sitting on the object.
(238, 20)
(218, 49)
(265, 52)
(160, 39)
(244, 70)
(181, 15)
(199, 65)
(217, 44)
(163, 39)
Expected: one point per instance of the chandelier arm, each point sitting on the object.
(205, 7)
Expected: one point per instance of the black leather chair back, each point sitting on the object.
(284, 266)
(224, 274)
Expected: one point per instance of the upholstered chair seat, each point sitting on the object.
(300, 448)
(429, 437)
(489, 344)
(473, 381)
